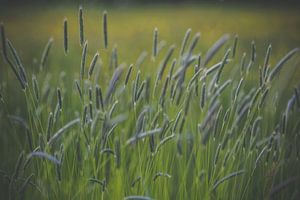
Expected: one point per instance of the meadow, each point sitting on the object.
(157, 102)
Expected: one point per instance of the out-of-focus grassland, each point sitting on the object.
(131, 28)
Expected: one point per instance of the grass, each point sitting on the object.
(173, 125)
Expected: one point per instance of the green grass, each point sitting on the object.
(144, 142)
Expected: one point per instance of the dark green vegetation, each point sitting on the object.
(196, 119)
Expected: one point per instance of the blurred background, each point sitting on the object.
(31, 23)
(149, 2)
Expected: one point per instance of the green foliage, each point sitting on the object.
(214, 129)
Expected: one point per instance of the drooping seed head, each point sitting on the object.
(178, 116)
(113, 82)
(194, 43)
(229, 176)
(224, 61)
(78, 88)
(45, 155)
(140, 90)
(17, 73)
(238, 88)
(46, 53)
(215, 47)
(136, 85)
(266, 61)
(280, 64)
(128, 74)
(165, 62)
(185, 40)
(83, 59)
(19, 66)
(235, 43)
(93, 64)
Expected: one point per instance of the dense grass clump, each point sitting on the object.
(201, 125)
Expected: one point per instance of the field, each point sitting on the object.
(151, 115)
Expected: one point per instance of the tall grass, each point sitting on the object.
(158, 135)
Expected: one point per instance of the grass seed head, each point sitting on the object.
(66, 43)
